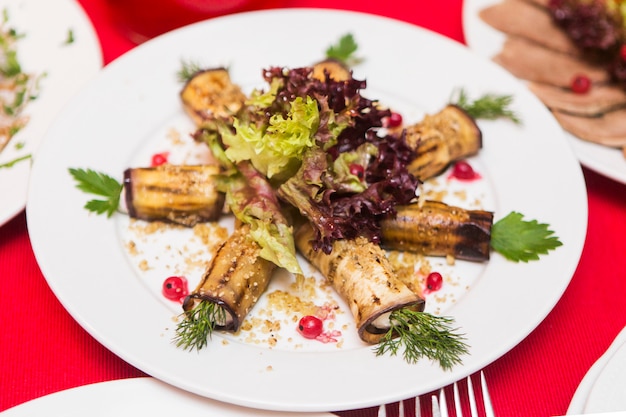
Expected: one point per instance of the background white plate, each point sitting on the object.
(46, 26)
(130, 398)
(602, 388)
(487, 41)
(134, 102)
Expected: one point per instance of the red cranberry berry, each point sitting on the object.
(580, 84)
(310, 327)
(622, 52)
(159, 159)
(357, 170)
(463, 171)
(394, 120)
(175, 288)
(434, 281)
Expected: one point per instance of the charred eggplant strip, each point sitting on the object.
(210, 94)
(181, 194)
(440, 139)
(232, 283)
(331, 68)
(433, 228)
(362, 275)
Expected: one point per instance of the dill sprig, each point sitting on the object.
(421, 335)
(188, 69)
(197, 325)
(489, 106)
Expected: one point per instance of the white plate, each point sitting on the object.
(46, 26)
(602, 388)
(134, 104)
(130, 398)
(487, 41)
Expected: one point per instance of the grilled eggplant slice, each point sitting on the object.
(332, 68)
(362, 275)
(181, 194)
(433, 228)
(211, 94)
(234, 280)
(440, 139)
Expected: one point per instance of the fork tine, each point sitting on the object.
(443, 404)
(418, 406)
(382, 411)
(457, 400)
(434, 404)
(472, 398)
(486, 397)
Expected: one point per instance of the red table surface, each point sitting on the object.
(43, 350)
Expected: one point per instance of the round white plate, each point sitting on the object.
(602, 388)
(130, 398)
(134, 104)
(487, 41)
(68, 66)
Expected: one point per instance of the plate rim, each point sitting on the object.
(337, 404)
(90, 54)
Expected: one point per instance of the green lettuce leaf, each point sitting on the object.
(275, 150)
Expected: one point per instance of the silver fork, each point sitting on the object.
(486, 400)
(382, 410)
(440, 407)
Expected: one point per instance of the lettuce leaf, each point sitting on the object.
(275, 149)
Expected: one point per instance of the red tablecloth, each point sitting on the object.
(43, 350)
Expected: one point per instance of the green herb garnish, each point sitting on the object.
(520, 240)
(97, 183)
(15, 161)
(197, 325)
(344, 50)
(420, 335)
(188, 70)
(489, 106)
(69, 39)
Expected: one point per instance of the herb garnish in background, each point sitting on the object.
(488, 106)
(344, 50)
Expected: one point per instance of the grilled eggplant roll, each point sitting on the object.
(181, 194)
(234, 280)
(211, 94)
(433, 228)
(332, 68)
(362, 275)
(440, 139)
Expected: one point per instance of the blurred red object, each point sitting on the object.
(140, 20)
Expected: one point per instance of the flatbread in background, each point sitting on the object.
(608, 129)
(513, 16)
(598, 100)
(532, 62)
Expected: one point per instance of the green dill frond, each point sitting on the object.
(488, 106)
(197, 325)
(417, 335)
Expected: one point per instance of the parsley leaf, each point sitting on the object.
(520, 240)
(93, 182)
(344, 50)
